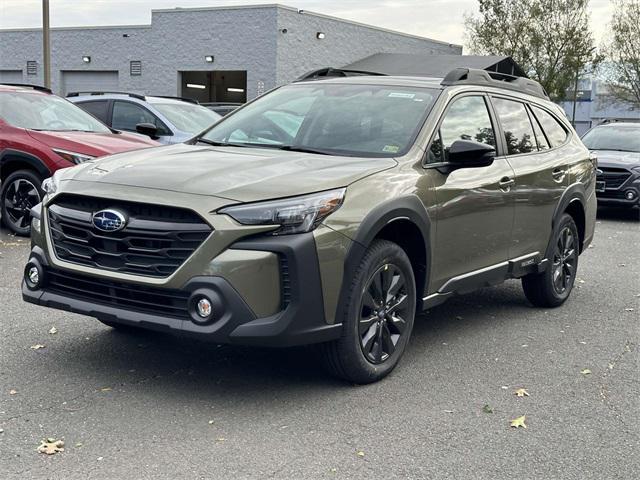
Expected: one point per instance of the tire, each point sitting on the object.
(21, 191)
(373, 340)
(552, 287)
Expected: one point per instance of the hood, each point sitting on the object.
(234, 173)
(615, 159)
(94, 144)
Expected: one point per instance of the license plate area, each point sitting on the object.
(600, 186)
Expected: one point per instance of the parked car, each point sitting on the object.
(222, 108)
(39, 134)
(327, 211)
(617, 146)
(168, 120)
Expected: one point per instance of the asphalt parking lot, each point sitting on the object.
(147, 405)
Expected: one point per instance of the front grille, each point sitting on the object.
(155, 241)
(613, 177)
(155, 301)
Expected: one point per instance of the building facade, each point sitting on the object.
(210, 54)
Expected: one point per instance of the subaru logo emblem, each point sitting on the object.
(109, 220)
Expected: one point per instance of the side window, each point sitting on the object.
(126, 115)
(98, 109)
(518, 132)
(543, 144)
(555, 132)
(466, 119)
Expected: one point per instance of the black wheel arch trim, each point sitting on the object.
(404, 208)
(10, 156)
(574, 193)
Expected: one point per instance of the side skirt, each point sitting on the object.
(487, 277)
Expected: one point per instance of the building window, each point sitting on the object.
(32, 67)
(135, 68)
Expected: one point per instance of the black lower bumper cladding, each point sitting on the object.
(301, 321)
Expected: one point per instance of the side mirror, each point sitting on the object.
(465, 153)
(148, 129)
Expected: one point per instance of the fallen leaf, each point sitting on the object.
(504, 387)
(13, 392)
(78, 445)
(585, 371)
(106, 389)
(519, 422)
(53, 331)
(487, 409)
(220, 439)
(333, 470)
(521, 392)
(51, 446)
(210, 422)
(37, 346)
(583, 343)
(622, 264)
(448, 411)
(360, 453)
(1, 430)
(628, 309)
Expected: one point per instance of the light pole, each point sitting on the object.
(46, 45)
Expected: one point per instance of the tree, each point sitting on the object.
(622, 68)
(549, 39)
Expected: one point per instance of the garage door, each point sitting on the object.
(89, 81)
(11, 76)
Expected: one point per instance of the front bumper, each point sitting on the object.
(618, 196)
(301, 320)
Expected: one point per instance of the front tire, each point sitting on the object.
(378, 316)
(21, 191)
(552, 287)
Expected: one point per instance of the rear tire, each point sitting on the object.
(552, 287)
(378, 316)
(21, 191)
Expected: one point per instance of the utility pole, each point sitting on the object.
(575, 97)
(46, 44)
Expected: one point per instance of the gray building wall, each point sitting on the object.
(240, 38)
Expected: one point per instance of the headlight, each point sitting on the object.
(73, 157)
(294, 215)
(50, 185)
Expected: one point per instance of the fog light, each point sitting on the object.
(204, 308)
(630, 194)
(32, 276)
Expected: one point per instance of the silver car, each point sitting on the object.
(168, 120)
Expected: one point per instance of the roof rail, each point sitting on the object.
(40, 88)
(132, 95)
(330, 72)
(184, 99)
(472, 76)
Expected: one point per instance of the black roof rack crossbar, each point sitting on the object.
(184, 99)
(330, 72)
(40, 88)
(472, 76)
(132, 95)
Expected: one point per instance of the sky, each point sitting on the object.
(438, 19)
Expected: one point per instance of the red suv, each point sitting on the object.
(39, 134)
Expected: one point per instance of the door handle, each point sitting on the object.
(505, 183)
(558, 174)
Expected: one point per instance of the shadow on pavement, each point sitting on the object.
(619, 214)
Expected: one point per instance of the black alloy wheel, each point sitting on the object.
(383, 313)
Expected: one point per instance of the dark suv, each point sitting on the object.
(328, 211)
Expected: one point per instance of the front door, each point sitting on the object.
(474, 206)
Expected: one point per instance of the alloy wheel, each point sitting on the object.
(21, 196)
(383, 313)
(564, 260)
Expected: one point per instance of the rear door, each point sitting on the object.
(474, 211)
(97, 108)
(540, 172)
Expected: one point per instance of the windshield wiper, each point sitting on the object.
(219, 144)
(292, 148)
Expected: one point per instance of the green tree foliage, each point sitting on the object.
(549, 39)
(622, 68)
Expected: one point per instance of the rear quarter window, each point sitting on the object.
(555, 132)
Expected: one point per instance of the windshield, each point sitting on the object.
(188, 117)
(334, 119)
(46, 112)
(625, 138)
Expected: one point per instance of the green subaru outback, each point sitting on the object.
(329, 211)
